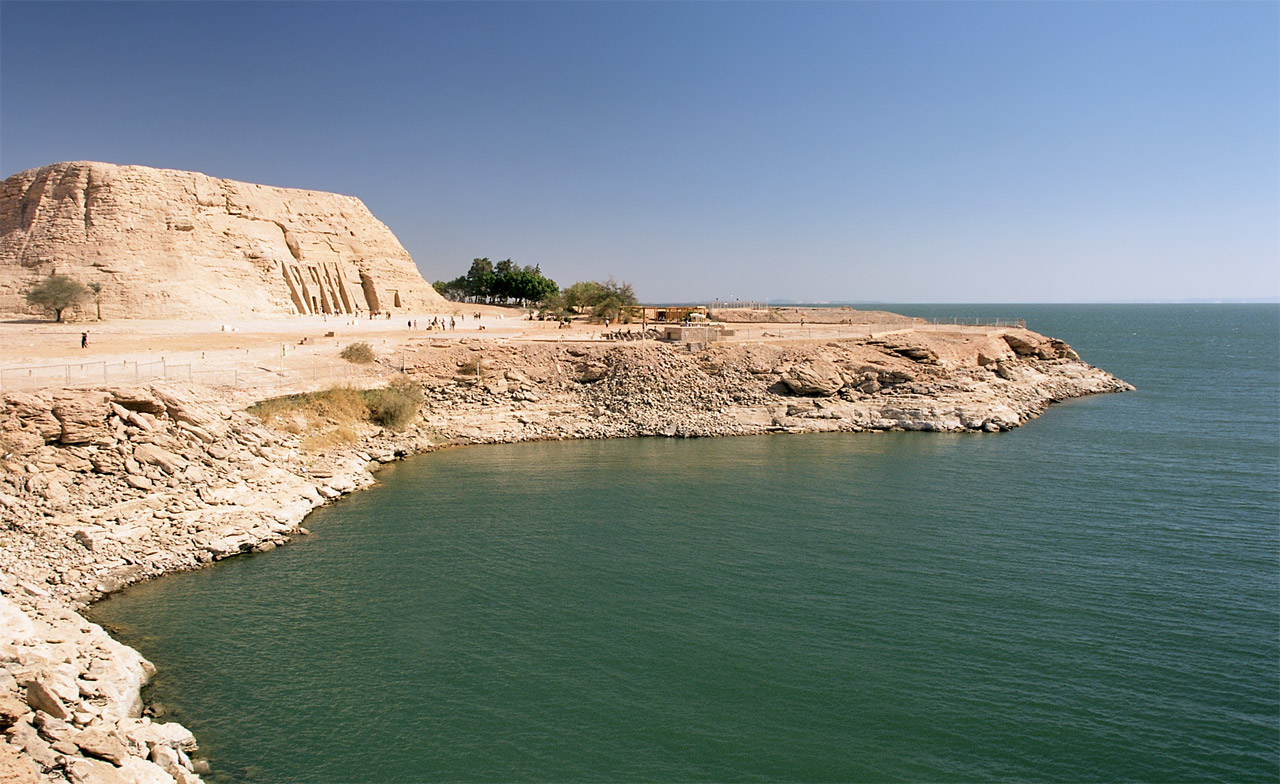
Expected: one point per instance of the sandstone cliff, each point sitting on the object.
(175, 244)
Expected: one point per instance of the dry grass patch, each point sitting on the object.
(358, 353)
(334, 416)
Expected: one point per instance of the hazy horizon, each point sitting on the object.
(860, 152)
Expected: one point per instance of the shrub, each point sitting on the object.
(358, 353)
(395, 406)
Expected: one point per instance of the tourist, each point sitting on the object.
(84, 340)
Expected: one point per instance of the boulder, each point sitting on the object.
(25, 737)
(33, 412)
(150, 454)
(587, 372)
(103, 745)
(146, 734)
(921, 354)
(136, 399)
(816, 377)
(53, 730)
(1024, 345)
(40, 697)
(15, 625)
(83, 418)
(92, 771)
(93, 539)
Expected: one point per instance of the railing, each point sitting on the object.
(725, 304)
(980, 322)
(91, 374)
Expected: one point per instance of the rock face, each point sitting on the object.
(175, 244)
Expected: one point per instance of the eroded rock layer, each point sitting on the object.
(176, 244)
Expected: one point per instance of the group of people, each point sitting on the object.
(437, 322)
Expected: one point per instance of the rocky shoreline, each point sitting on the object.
(108, 487)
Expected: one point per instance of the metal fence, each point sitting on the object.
(731, 304)
(980, 322)
(92, 374)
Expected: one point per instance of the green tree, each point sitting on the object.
(499, 282)
(582, 294)
(480, 279)
(455, 290)
(602, 300)
(56, 293)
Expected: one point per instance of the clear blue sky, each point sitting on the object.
(900, 152)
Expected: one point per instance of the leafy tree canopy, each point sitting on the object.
(56, 293)
(499, 283)
(608, 299)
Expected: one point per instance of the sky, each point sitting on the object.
(825, 151)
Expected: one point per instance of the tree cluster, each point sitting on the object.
(608, 299)
(499, 284)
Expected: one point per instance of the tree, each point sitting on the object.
(455, 290)
(96, 288)
(604, 300)
(498, 283)
(56, 293)
(480, 279)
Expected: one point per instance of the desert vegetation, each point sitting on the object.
(358, 353)
(608, 299)
(334, 416)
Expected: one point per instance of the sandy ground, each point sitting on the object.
(287, 351)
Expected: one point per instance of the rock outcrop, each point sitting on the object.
(176, 244)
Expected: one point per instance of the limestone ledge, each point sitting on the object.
(104, 488)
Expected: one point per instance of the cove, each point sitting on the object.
(1091, 597)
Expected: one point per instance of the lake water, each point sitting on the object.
(1092, 597)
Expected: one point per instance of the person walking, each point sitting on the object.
(84, 340)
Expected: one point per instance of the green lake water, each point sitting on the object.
(1092, 597)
